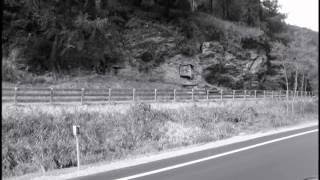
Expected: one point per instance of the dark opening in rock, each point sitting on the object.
(186, 71)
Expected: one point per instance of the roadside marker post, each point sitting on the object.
(245, 95)
(271, 94)
(207, 95)
(174, 95)
(264, 94)
(221, 95)
(155, 94)
(76, 132)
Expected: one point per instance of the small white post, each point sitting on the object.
(174, 95)
(207, 95)
(133, 94)
(264, 94)
(245, 94)
(233, 94)
(82, 95)
(271, 94)
(155, 94)
(15, 95)
(51, 95)
(192, 94)
(221, 94)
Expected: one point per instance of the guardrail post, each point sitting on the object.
(233, 94)
(51, 95)
(221, 94)
(15, 95)
(245, 94)
(289, 94)
(280, 95)
(192, 94)
(133, 94)
(155, 94)
(174, 95)
(207, 95)
(82, 96)
(255, 94)
(109, 94)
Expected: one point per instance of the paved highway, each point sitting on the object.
(291, 155)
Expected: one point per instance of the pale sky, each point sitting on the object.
(303, 13)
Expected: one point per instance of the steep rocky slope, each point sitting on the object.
(157, 52)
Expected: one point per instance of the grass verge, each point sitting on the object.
(40, 138)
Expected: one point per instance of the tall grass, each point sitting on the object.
(40, 138)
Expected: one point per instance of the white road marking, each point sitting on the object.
(214, 156)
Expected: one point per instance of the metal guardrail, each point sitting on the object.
(83, 96)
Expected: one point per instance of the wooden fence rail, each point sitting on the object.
(84, 96)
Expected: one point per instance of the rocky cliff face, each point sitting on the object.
(155, 51)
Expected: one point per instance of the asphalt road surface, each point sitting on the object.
(294, 157)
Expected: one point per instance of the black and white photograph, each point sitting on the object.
(160, 90)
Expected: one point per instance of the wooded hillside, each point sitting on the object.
(248, 44)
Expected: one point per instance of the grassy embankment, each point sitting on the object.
(39, 138)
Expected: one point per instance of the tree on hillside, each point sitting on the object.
(272, 20)
(280, 53)
(66, 30)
